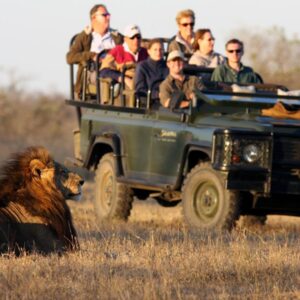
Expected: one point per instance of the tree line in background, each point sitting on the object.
(273, 55)
(28, 120)
(40, 119)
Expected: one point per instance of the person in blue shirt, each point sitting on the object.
(152, 71)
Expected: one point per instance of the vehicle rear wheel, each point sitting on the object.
(206, 203)
(113, 200)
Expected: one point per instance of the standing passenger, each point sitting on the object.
(95, 38)
(185, 36)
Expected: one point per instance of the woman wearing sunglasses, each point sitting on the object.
(183, 41)
(233, 70)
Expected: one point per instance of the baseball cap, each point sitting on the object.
(132, 30)
(175, 54)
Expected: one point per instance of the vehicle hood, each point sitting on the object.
(242, 113)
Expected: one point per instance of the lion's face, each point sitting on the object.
(55, 176)
(69, 183)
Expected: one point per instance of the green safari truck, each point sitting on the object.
(221, 158)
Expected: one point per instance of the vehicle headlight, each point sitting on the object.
(251, 153)
(241, 150)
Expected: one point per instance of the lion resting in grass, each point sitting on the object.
(34, 215)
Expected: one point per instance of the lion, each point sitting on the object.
(34, 215)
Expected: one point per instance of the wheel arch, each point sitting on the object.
(193, 154)
(102, 145)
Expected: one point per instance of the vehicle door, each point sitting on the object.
(135, 132)
(169, 138)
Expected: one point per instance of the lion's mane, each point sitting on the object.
(34, 215)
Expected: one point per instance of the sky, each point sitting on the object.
(35, 34)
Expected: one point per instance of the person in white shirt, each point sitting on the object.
(93, 40)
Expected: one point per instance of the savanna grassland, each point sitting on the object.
(155, 255)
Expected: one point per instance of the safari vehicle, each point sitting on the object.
(220, 157)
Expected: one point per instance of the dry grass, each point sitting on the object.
(155, 256)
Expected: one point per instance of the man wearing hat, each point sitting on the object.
(130, 52)
(177, 90)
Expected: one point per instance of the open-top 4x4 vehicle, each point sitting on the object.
(220, 157)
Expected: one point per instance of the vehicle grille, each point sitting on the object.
(286, 151)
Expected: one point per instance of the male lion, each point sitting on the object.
(34, 215)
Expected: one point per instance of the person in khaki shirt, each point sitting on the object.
(178, 83)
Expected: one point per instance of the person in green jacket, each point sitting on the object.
(233, 70)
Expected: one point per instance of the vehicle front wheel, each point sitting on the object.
(113, 200)
(206, 203)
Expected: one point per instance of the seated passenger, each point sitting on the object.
(153, 70)
(233, 70)
(204, 54)
(130, 52)
(178, 84)
(184, 38)
(95, 38)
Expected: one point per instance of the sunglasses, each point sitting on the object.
(103, 15)
(236, 51)
(187, 24)
(137, 36)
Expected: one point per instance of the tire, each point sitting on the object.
(248, 221)
(207, 205)
(113, 200)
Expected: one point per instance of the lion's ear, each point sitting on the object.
(36, 167)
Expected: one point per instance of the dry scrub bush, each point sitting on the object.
(272, 54)
(28, 120)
